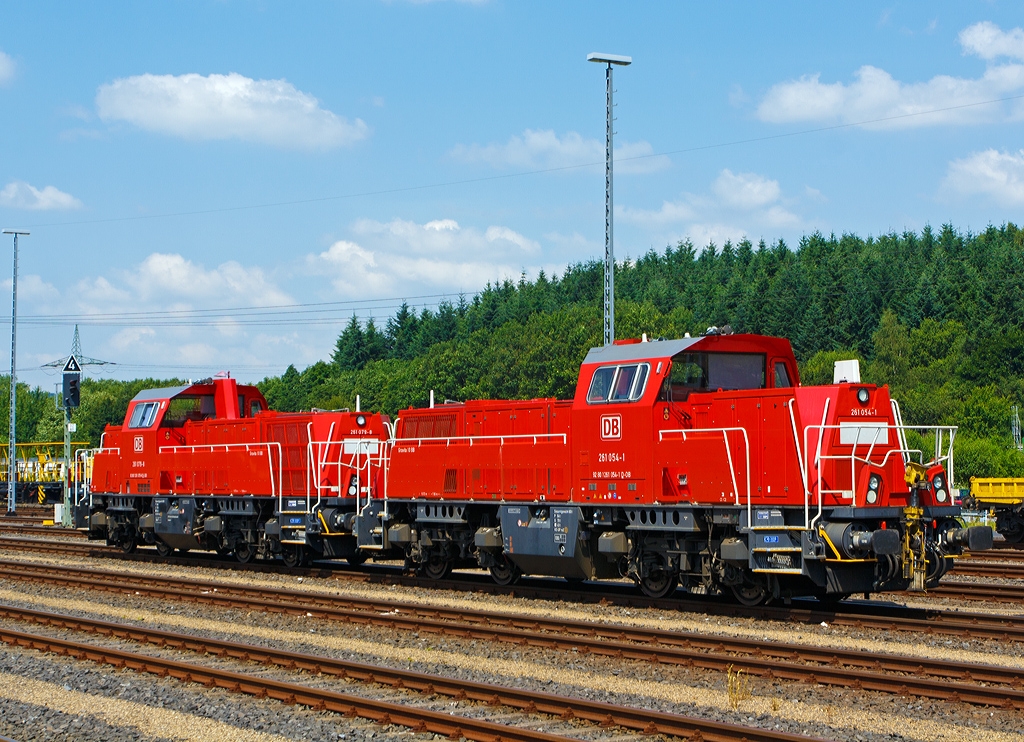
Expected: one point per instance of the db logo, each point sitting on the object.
(138, 443)
(611, 427)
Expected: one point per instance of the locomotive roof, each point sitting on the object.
(638, 351)
(651, 349)
(167, 392)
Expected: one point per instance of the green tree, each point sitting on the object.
(350, 350)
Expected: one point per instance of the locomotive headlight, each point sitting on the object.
(938, 482)
(874, 484)
(862, 396)
(361, 420)
(353, 486)
(940, 495)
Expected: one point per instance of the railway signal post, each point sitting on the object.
(71, 398)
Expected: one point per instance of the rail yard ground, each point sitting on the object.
(48, 696)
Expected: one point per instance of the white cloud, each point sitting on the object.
(163, 283)
(226, 107)
(129, 337)
(671, 212)
(161, 276)
(745, 190)
(702, 234)
(33, 288)
(736, 205)
(998, 175)
(988, 41)
(20, 195)
(6, 69)
(403, 257)
(543, 149)
(875, 94)
(442, 225)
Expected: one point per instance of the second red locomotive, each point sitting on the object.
(698, 463)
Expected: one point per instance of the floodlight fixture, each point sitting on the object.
(609, 58)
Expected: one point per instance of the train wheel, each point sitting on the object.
(163, 549)
(294, 555)
(128, 545)
(831, 601)
(658, 584)
(936, 565)
(356, 559)
(223, 551)
(437, 568)
(1013, 531)
(245, 552)
(505, 573)
(750, 595)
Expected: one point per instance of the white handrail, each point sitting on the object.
(799, 455)
(728, 454)
(471, 438)
(897, 415)
(854, 459)
(275, 489)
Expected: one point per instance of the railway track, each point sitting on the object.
(39, 529)
(564, 707)
(991, 592)
(900, 675)
(1011, 553)
(69, 548)
(989, 568)
(850, 613)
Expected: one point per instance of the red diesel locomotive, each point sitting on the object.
(699, 462)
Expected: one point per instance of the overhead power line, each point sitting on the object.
(524, 173)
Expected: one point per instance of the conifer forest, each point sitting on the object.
(937, 315)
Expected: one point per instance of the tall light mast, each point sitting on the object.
(12, 461)
(609, 247)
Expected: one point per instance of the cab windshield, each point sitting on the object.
(708, 372)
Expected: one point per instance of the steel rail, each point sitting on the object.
(565, 707)
(987, 591)
(859, 670)
(382, 712)
(987, 568)
(38, 528)
(35, 545)
(1006, 553)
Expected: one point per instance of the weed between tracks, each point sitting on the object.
(738, 686)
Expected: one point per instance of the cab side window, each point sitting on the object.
(781, 376)
(143, 415)
(625, 383)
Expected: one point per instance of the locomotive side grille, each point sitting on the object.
(451, 479)
(430, 426)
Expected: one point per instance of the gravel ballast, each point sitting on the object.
(834, 713)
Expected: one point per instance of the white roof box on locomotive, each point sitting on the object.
(846, 372)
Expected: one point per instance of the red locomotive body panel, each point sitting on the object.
(483, 450)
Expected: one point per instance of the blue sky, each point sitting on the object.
(183, 166)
